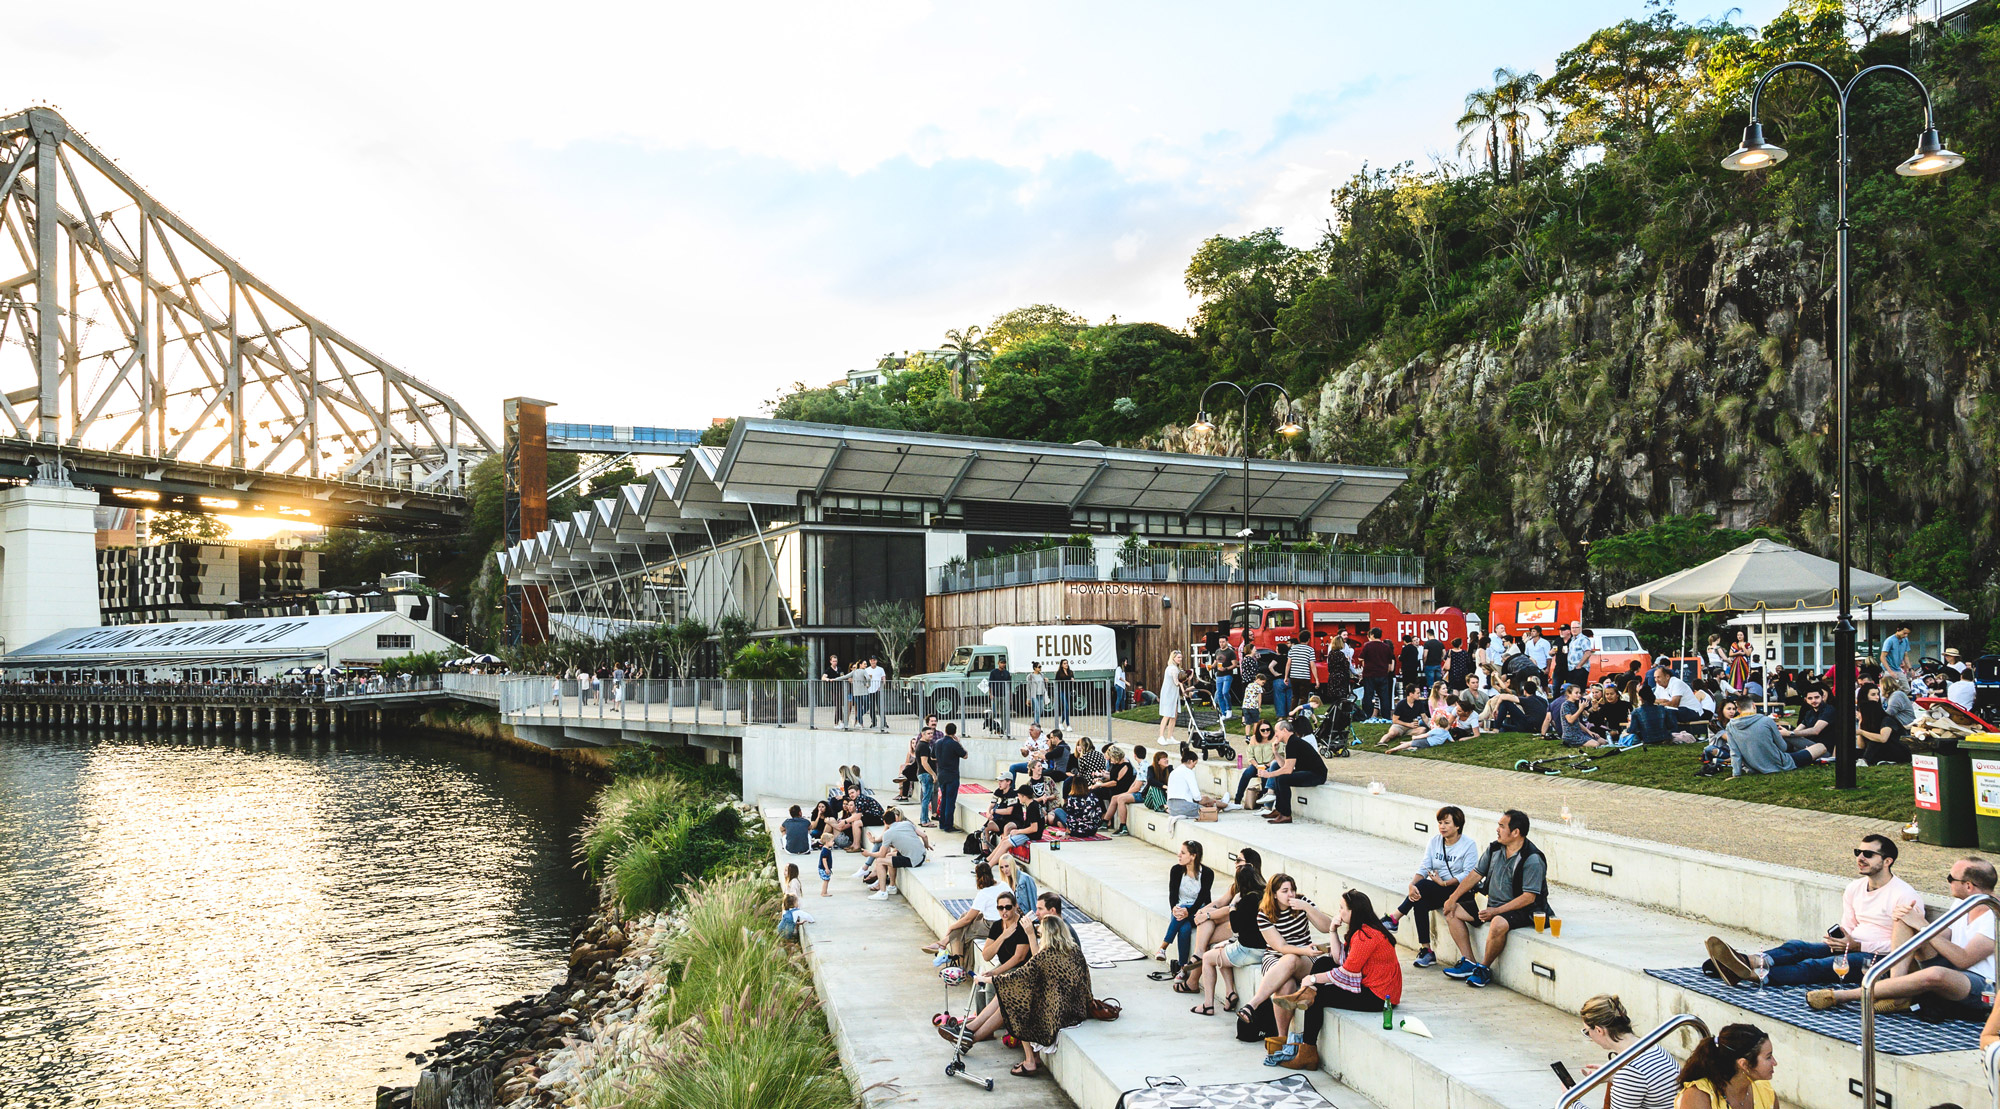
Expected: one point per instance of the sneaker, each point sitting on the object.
(1731, 964)
(881, 894)
(1823, 999)
(941, 959)
(1480, 978)
(1389, 924)
(862, 873)
(1425, 959)
(1461, 969)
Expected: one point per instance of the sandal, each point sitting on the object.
(1229, 1003)
(1022, 1070)
(1181, 985)
(1203, 1010)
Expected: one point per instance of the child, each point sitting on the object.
(792, 886)
(825, 869)
(792, 918)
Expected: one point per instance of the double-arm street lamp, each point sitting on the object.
(1203, 426)
(1930, 158)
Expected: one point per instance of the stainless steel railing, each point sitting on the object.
(1880, 967)
(1603, 1074)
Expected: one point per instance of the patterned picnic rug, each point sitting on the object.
(1294, 1091)
(1101, 946)
(1895, 1033)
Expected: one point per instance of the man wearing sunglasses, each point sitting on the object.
(1953, 971)
(1869, 910)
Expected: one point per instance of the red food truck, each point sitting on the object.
(1275, 624)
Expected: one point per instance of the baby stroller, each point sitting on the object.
(1335, 734)
(1206, 733)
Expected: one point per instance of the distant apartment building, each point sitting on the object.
(198, 580)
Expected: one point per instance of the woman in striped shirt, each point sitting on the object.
(1650, 1081)
(1286, 920)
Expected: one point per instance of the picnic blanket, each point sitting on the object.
(1895, 1033)
(1101, 946)
(1294, 1091)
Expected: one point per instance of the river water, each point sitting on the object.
(195, 922)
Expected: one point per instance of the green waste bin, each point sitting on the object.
(1982, 759)
(1942, 781)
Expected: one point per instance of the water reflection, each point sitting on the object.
(265, 921)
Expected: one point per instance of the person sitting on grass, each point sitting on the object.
(1730, 1070)
(1650, 724)
(1952, 972)
(977, 922)
(1815, 724)
(1448, 858)
(1190, 884)
(1368, 979)
(903, 845)
(1516, 874)
(1869, 909)
(1609, 713)
(1286, 920)
(1408, 718)
(1463, 722)
(1245, 946)
(1036, 1000)
(1875, 731)
(1515, 707)
(1573, 725)
(1438, 734)
(1758, 746)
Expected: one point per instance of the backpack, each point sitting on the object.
(972, 846)
(1257, 1024)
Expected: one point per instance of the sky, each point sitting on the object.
(665, 213)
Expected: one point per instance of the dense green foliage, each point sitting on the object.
(742, 1028)
(1593, 328)
(650, 835)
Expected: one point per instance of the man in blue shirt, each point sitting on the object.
(1895, 649)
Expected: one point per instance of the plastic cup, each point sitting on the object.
(1555, 926)
(1541, 920)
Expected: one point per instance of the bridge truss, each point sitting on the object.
(165, 373)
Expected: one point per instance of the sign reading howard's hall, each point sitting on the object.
(1113, 589)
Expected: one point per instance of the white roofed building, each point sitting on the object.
(224, 649)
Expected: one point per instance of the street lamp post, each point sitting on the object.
(1931, 158)
(1204, 426)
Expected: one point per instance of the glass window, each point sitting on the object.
(1278, 618)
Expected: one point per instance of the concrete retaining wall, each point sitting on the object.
(801, 763)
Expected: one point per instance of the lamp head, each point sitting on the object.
(1290, 429)
(1755, 153)
(1202, 424)
(1931, 157)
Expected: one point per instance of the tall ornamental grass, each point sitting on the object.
(651, 836)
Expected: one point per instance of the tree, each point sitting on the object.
(1626, 82)
(1675, 543)
(1036, 321)
(732, 632)
(968, 349)
(684, 643)
(897, 624)
(1481, 121)
(186, 527)
(1517, 99)
(773, 659)
(717, 434)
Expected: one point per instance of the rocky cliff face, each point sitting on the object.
(1701, 387)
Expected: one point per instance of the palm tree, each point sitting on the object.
(1517, 99)
(1482, 120)
(967, 347)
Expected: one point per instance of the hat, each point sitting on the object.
(1951, 652)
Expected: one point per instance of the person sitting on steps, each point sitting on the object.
(1115, 792)
(1190, 884)
(1730, 1070)
(1286, 919)
(1448, 858)
(1869, 909)
(1299, 765)
(1954, 971)
(1259, 750)
(1245, 946)
(1516, 874)
(977, 922)
(1368, 980)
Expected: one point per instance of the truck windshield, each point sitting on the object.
(1278, 618)
(960, 659)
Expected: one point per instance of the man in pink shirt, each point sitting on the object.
(1868, 911)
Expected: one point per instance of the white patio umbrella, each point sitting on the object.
(1761, 575)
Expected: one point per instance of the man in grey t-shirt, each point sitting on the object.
(1517, 886)
(903, 844)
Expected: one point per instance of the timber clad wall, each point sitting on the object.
(1160, 615)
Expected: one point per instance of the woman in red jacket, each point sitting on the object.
(1367, 980)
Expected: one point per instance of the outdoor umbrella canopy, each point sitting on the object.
(1760, 574)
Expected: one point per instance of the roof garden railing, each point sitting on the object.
(1167, 564)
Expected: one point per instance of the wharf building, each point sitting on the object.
(798, 527)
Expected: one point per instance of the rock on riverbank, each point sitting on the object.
(543, 1051)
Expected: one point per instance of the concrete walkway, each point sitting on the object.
(1748, 830)
(878, 992)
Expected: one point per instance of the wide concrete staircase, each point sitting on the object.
(1626, 906)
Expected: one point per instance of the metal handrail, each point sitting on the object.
(1879, 967)
(1993, 1073)
(1603, 1074)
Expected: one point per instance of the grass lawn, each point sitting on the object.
(1881, 791)
(1144, 714)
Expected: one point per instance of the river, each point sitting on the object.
(195, 922)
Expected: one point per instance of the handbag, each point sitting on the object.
(1105, 1008)
(1156, 799)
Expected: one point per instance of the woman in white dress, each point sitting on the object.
(1170, 696)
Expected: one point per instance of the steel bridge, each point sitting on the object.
(164, 374)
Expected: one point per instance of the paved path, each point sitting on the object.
(878, 992)
(1766, 833)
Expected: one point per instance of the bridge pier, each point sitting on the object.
(48, 561)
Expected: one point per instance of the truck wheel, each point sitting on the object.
(944, 703)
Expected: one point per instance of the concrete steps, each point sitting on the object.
(1605, 948)
(1122, 883)
(1097, 1061)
